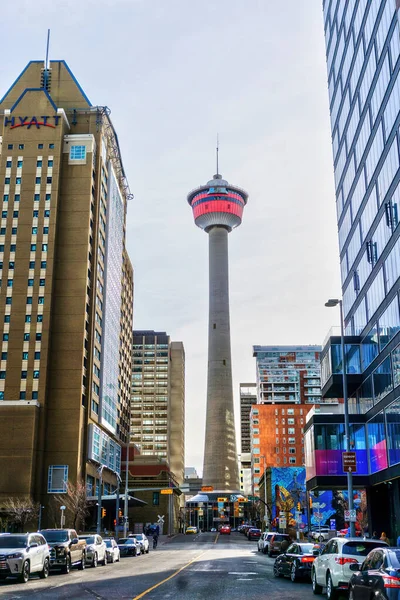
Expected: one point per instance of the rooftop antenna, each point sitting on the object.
(46, 63)
(217, 151)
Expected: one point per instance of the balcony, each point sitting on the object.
(332, 366)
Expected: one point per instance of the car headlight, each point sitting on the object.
(60, 551)
(15, 555)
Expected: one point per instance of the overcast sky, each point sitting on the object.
(174, 73)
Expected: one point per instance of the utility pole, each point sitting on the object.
(99, 492)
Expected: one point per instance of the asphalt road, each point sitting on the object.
(201, 567)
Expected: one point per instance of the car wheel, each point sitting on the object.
(293, 573)
(94, 560)
(67, 566)
(276, 572)
(270, 554)
(105, 559)
(119, 557)
(265, 549)
(321, 538)
(112, 558)
(330, 589)
(44, 573)
(82, 564)
(148, 550)
(316, 588)
(351, 594)
(23, 578)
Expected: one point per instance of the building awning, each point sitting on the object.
(112, 498)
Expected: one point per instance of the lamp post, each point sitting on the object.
(62, 508)
(119, 481)
(41, 507)
(265, 491)
(99, 492)
(331, 303)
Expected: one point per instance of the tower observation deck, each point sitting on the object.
(217, 209)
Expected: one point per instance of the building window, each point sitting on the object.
(43, 264)
(25, 355)
(18, 180)
(10, 146)
(36, 197)
(292, 450)
(36, 374)
(9, 300)
(33, 247)
(48, 198)
(292, 460)
(41, 300)
(7, 318)
(17, 198)
(30, 282)
(39, 319)
(24, 374)
(35, 395)
(5, 198)
(40, 146)
(57, 479)
(29, 300)
(8, 164)
(49, 163)
(15, 214)
(37, 355)
(22, 395)
(6, 337)
(42, 284)
(4, 356)
(20, 146)
(51, 146)
(38, 180)
(19, 164)
(156, 498)
(49, 180)
(32, 264)
(13, 230)
(38, 337)
(7, 181)
(77, 153)
(44, 247)
(27, 337)
(45, 230)
(35, 213)
(39, 163)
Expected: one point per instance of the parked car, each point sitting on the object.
(264, 540)
(319, 534)
(113, 552)
(213, 529)
(254, 534)
(345, 532)
(275, 543)
(377, 577)
(331, 568)
(96, 550)
(66, 550)
(191, 530)
(129, 547)
(295, 562)
(23, 554)
(143, 541)
(225, 530)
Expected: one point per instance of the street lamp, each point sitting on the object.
(265, 490)
(332, 302)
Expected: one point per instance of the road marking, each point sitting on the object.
(170, 577)
(241, 573)
(216, 538)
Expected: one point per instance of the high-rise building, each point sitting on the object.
(288, 379)
(363, 49)
(158, 398)
(217, 209)
(66, 289)
(248, 397)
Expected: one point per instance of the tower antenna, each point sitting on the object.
(46, 62)
(217, 151)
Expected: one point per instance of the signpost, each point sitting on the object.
(350, 515)
(332, 524)
(166, 491)
(349, 460)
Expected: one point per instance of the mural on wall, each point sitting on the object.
(288, 489)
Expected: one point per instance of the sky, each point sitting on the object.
(174, 73)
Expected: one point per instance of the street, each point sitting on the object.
(205, 566)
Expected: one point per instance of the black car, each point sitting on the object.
(295, 562)
(377, 577)
(129, 547)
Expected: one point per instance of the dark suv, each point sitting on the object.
(275, 543)
(66, 550)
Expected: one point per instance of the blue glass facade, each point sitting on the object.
(363, 49)
(112, 305)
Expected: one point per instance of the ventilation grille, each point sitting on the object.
(45, 79)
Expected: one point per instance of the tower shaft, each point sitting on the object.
(220, 457)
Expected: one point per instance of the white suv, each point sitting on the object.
(263, 542)
(22, 554)
(331, 569)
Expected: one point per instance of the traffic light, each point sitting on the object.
(299, 506)
(120, 512)
(310, 503)
(103, 513)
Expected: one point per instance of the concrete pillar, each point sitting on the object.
(220, 457)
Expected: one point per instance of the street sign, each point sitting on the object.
(222, 499)
(349, 460)
(207, 488)
(318, 516)
(166, 491)
(350, 515)
(332, 524)
(160, 518)
(315, 504)
(282, 522)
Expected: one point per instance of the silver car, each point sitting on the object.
(113, 552)
(143, 541)
(96, 550)
(23, 554)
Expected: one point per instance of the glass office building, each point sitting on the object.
(362, 49)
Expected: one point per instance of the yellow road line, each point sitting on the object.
(216, 538)
(168, 578)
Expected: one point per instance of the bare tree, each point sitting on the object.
(21, 511)
(75, 501)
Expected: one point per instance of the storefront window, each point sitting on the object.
(377, 444)
(393, 431)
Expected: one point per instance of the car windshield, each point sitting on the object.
(395, 558)
(89, 539)
(55, 536)
(13, 541)
(279, 537)
(108, 543)
(306, 548)
(130, 541)
(361, 548)
(138, 536)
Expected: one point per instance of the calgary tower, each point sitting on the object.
(217, 209)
